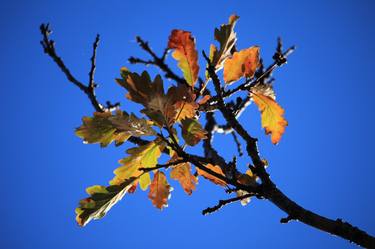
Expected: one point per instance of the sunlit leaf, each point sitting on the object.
(182, 173)
(226, 37)
(145, 156)
(159, 190)
(179, 102)
(241, 64)
(104, 128)
(141, 89)
(185, 53)
(271, 114)
(101, 200)
(210, 177)
(192, 131)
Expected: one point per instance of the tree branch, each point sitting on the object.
(273, 194)
(223, 203)
(49, 48)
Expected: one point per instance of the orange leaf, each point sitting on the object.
(210, 177)
(185, 53)
(182, 173)
(159, 190)
(272, 115)
(242, 63)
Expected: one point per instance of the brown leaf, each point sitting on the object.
(140, 87)
(159, 190)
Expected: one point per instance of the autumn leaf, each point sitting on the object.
(241, 64)
(182, 173)
(192, 131)
(214, 179)
(145, 156)
(101, 200)
(104, 128)
(271, 113)
(141, 89)
(159, 190)
(226, 37)
(182, 99)
(179, 102)
(185, 53)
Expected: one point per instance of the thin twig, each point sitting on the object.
(163, 166)
(89, 89)
(239, 148)
(222, 203)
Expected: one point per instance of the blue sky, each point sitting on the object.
(324, 161)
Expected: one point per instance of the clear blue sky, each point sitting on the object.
(324, 161)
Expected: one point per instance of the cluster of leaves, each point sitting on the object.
(177, 112)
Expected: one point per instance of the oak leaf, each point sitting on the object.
(104, 128)
(210, 177)
(182, 173)
(226, 37)
(101, 200)
(271, 114)
(159, 190)
(177, 104)
(241, 64)
(185, 53)
(192, 131)
(141, 89)
(145, 156)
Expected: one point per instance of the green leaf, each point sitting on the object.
(101, 200)
(192, 131)
(105, 128)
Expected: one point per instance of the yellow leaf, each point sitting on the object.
(182, 173)
(210, 177)
(159, 190)
(185, 53)
(242, 63)
(145, 156)
(271, 114)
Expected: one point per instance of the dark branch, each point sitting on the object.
(163, 166)
(158, 61)
(272, 193)
(223, 203)
(49, 48)
(239, 148)
(93, 62)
